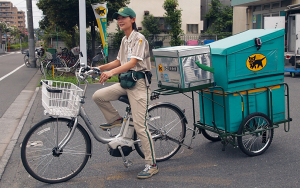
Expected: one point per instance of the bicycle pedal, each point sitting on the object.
(127, 163)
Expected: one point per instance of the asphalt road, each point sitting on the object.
(11, 86)
(203, 166)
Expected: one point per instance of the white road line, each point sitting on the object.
(11, 72)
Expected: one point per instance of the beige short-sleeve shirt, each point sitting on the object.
(136, 46)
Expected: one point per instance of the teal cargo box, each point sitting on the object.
(248, 62)
(258, 100)
(240, 63)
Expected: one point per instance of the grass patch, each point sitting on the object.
(69, 77)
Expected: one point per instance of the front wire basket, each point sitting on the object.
(61, 98)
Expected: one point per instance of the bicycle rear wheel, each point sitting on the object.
(41, 156)
(167, 126)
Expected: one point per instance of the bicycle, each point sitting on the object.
(56, 66)
(100, 55)
(60, 66)
(57, 149)
(38, 56)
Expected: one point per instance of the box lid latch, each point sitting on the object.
(257, 43)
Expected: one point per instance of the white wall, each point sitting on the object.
(190, 12)
(295, 2)
(239, 20)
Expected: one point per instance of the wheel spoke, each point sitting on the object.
(257, 136)
(168, 130)
(51, 164)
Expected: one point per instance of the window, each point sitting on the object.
(276, 5)
(192, 28)
(256, 20)
(6, 4)
(257, 8)
(163, 27)
(266, 7)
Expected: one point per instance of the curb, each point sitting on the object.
(8, 151)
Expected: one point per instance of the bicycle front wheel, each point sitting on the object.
(167, 126)
(27, 63)
(42, 157)
(26, 57)
(43, 66)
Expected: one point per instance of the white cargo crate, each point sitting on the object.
(61, 98)
(176, 67)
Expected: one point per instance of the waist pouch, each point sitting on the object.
(128, 79)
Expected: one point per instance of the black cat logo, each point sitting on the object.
(160, 68)
(256, 62)
(101, 11)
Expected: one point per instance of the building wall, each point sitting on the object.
(190, 12)
(11, 15)
(239, 22)
(295, 2)
(257, 11)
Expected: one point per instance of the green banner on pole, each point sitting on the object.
(100, 11)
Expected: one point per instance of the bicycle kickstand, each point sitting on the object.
(127, 163)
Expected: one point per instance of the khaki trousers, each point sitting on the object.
(137, 96)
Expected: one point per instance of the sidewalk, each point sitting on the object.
(14, 118)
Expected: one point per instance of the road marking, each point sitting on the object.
(9, 53)
(11, 72)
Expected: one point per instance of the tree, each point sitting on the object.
(151, 27)
(220, 16)
(173, 19)
(2, 29)
(65, 14)
(151, 24)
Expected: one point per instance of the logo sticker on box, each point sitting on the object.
(160, 68)
(256, 62)
(166, 77)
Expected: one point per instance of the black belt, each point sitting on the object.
(140, 75)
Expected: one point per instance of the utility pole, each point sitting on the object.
(82, 32)
(32, 60)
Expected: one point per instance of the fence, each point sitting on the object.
(157, 41)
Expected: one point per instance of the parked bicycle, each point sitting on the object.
(56, 66)
(39, 52)
(57, 149)
(59, 66)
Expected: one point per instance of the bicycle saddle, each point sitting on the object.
(124, 98)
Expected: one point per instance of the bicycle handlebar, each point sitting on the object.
(85, 72)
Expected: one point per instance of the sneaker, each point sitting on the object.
(117, 123)
(148, 172)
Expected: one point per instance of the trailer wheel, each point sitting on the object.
(211, 135)
(257, 134)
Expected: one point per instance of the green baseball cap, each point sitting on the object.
(125, 12)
